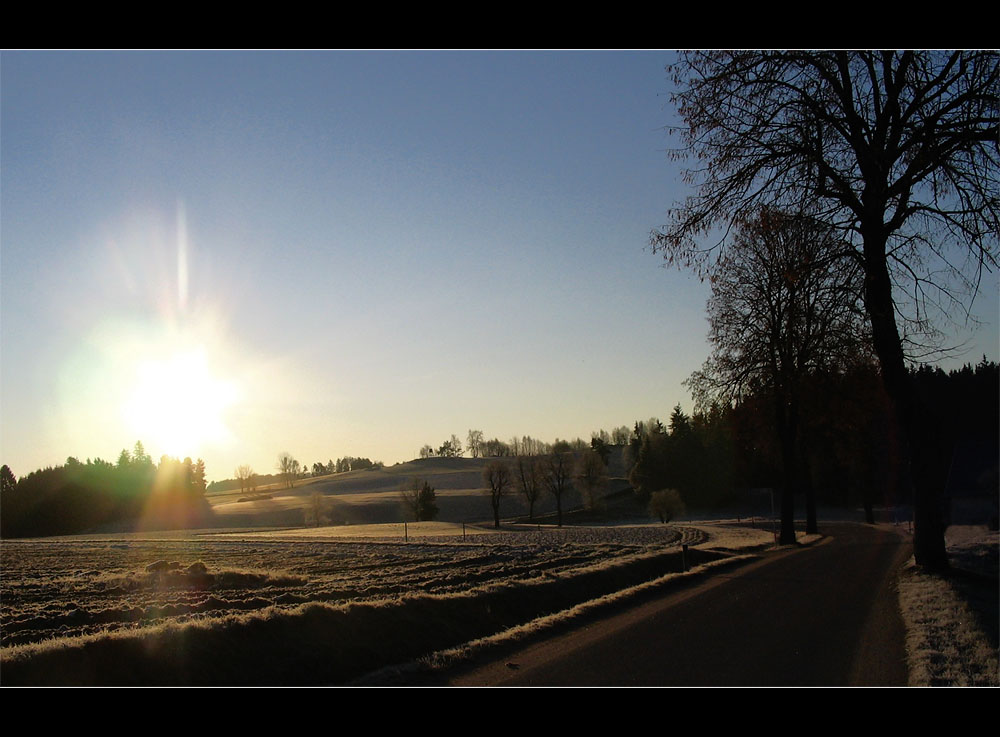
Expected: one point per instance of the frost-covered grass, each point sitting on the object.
(383, 532)
(312, 608)
(443, 659)
(737, 537)
(948, 617)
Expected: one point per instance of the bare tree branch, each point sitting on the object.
(897, 149)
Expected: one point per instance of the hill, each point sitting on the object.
(373, 495)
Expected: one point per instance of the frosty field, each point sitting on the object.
(303, 606)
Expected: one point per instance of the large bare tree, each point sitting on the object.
(785, 304)
(288, 467)
(529, 481)
(496, 475)
(897, 148)
(474, 442)
(557, 477)
(245, 475)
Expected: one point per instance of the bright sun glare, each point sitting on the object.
(178, 404)
(158, 364)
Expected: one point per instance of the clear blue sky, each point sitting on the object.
(231, 255)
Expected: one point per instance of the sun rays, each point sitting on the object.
(179, 402)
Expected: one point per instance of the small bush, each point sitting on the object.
(666, 504)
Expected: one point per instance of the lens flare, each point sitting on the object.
(178, 403)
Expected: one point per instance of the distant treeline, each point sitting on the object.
(847, 457)
(77, 497)
(478, 447)
(848, 454)
(252, 480)
(713, 457)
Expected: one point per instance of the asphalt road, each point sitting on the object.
(823, 615)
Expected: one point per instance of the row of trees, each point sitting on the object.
(530, 475)
(451, 448)
(79, 496)
(844, 453)
(341, 465)
(525, 445)
(289, 470)
(692, 455)
(555, 473)
(785, 306)
(247, 479)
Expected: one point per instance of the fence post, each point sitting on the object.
(684, 557)
(406, 538)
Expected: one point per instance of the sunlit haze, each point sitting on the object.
(231, 255)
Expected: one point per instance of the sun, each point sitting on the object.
(177, 404)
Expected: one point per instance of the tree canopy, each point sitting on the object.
(907, 139)
(785, 304)
(133, 494)
(896, 149)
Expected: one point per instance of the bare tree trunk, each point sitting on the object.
(805, 481)
(869, 512)
(786, 421)
(928, 536)
(812, 526)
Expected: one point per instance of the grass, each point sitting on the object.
(322, 642)
(319, 608)
(950, 619)
(386, 531)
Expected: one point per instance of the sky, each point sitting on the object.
(233, 255)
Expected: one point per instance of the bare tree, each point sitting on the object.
(897, 148)
(419, 499)
(557, 475)
(515, 445)
(317, 512)
(497, 477)
(529, 481)
(474, 442)
(288, 467)
(591, 477)
(784, 305)
(244, 474)
(620, 435)
(533, 447)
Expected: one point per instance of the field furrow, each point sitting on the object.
(61, 595)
